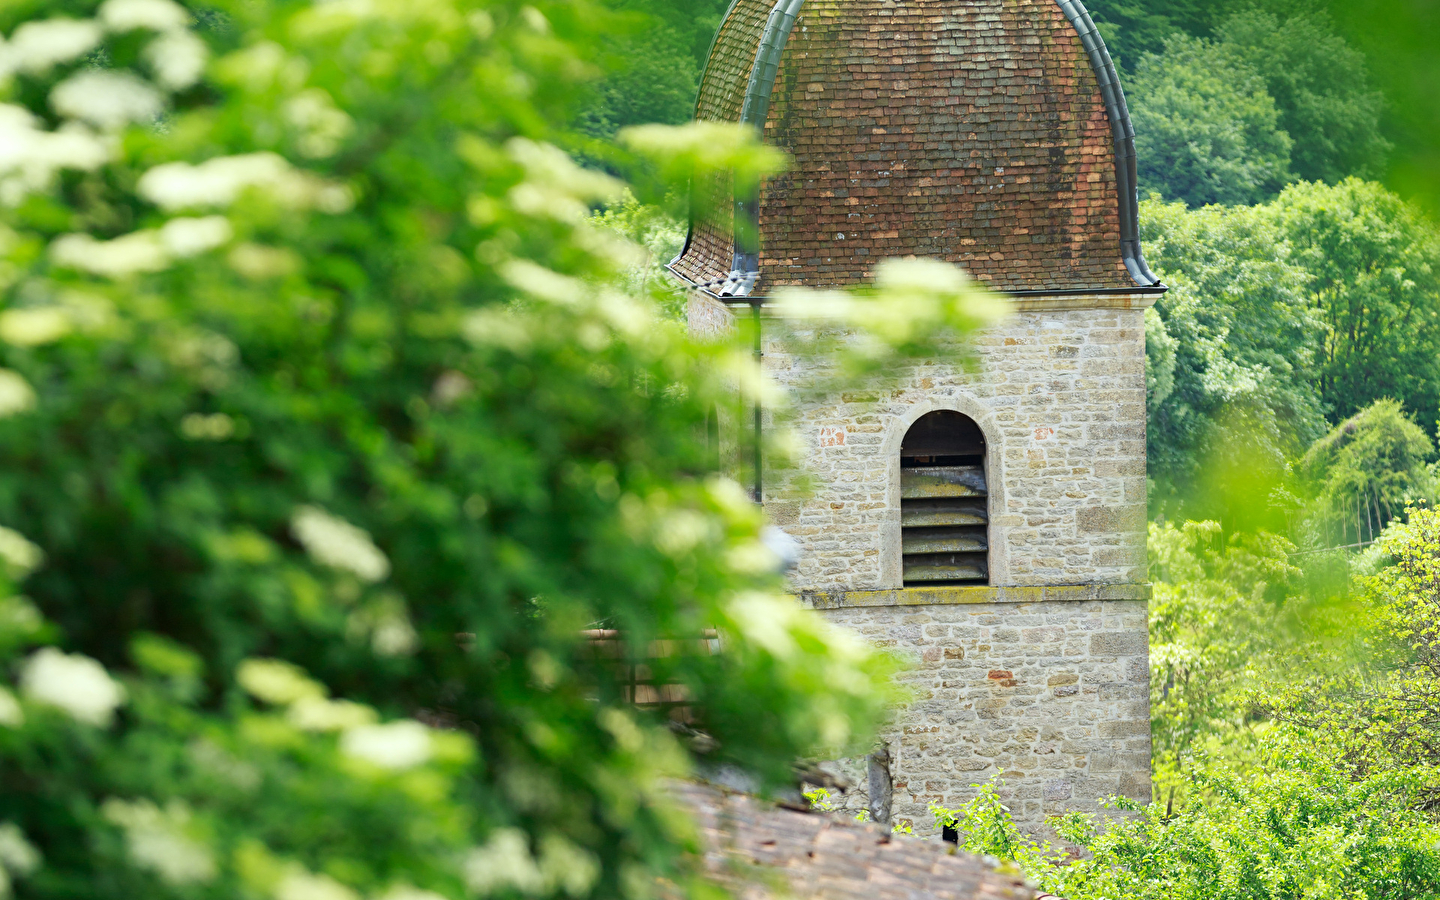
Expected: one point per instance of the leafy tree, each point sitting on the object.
(1321, 89)
(329, 429)
(650, 76)
(662, 237)
(1374, 263)
(1366, 472)
(1206, 129)
(1245, 337)
(652, 62)
(1159, 361)
(1133, 28)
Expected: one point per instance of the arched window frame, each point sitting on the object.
(891, 549)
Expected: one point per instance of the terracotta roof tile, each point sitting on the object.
(764, 852)
(970, 131)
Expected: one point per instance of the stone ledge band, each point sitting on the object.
(974, 594)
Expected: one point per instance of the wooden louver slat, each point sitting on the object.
(942, 481)
(943, 520)
(944, 501)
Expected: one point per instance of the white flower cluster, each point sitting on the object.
(157, 840)
(555, 187)
(150, 250)
(398, 745)
(334, 542)
(403, 744)
(299, 884)
(176, 55)
(385, 622)
(16, 394)
(321, 124)
(277, 682)
(30, 156)
(33, 326)
(409, 892)
(90, 98)
(37, 47)
(505, 862)
(154, 15)
(18, 553)
(73, 683)
(11, 715)
(18, 857)
(177, 59)
(219, 182)
(109, 100)
(200, 427)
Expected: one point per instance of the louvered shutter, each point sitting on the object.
(944, 512)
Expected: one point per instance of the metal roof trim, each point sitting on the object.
(1123, 132)
(745, 269)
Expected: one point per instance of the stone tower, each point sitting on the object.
(990, 524)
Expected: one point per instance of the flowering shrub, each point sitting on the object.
(328, 423)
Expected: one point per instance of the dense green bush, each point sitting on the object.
(1374, 267)
(1238, 337)
(1297, 827)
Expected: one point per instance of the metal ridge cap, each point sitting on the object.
(706, 287)
(767, 61)
(1123, 133)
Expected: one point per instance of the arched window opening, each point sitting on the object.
(943, 502)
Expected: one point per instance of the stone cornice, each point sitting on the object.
(976, 594)
(1059, 302)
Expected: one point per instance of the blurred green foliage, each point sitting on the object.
(352, 470)
(1384, 716)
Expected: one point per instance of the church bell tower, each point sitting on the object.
(988, 523)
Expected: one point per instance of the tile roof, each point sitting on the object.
(976, 131)
(762, 851)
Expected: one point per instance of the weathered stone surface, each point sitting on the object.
(1043, 712)
(1065, 463)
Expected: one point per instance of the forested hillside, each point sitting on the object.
(1293, 396)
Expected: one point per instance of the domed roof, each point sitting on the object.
(990, 133)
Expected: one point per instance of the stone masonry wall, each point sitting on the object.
(1053, 694)
(1060, 396)
(1045, 673)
